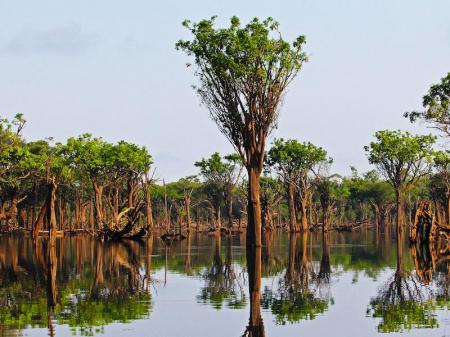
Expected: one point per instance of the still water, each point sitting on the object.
(353, 284)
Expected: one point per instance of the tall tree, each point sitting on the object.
(402, 158)
(243, 74)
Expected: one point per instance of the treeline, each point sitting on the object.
(87, 184)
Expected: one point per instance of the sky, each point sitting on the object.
(110, 68)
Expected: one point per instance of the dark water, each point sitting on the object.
(353, 284)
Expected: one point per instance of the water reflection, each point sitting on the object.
(87, 285)
(298, 296)
(222, 283)
(404, 301)
(255, 327)
(42, 286)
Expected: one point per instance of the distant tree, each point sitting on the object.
(271, 196)
(244, 73)
(437, 107)
(221, 176)
(295, 162)
(402, 158)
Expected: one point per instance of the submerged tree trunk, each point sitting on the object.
(255, 326)
(254, 222)
(51, 216)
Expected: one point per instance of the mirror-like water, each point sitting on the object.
(353, 284)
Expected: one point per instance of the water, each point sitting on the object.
(352, 284)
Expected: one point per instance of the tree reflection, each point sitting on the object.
(297, 297)
(255, 327)
(222, 284)
(40, 286)
(403, 302)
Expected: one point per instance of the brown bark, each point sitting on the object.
(51, 216)
(187, 206)
(291, 205)
(304, 216)
(254, 209)
(148, 207)
(98, 203)
(229, 205)
(39, 221)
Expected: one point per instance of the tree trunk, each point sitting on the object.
(255, 326)
(98, 194)
(399, 203)
(304, 215)
(187, 205)
(39, 221)
(148, 207)
(229, 202)
(51, 216)
(291, 204)
(253, 208)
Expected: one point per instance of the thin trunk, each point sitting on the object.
(291, 204)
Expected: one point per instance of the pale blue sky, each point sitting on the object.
(110, 68)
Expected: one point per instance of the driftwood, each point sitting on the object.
(132, 215)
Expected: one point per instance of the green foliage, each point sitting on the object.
(293, 306)
(401, 157)
(437, 106)
(404, 315)
(243, 73)
(293, 158)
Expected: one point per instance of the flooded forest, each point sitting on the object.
(264, 241)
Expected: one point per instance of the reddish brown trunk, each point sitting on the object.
(148, 207)
(98, 195)
(39, 221)
(291, 205)
(253, 209)
(51, 216)
(304, 216)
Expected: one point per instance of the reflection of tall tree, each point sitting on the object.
(402, 303)
(51, 286)
(148, 260)
(295, 298)
(221, 282)
(255, 327)
(323, 276)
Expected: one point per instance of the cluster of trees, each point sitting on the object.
(243, 73)
(85, 183)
